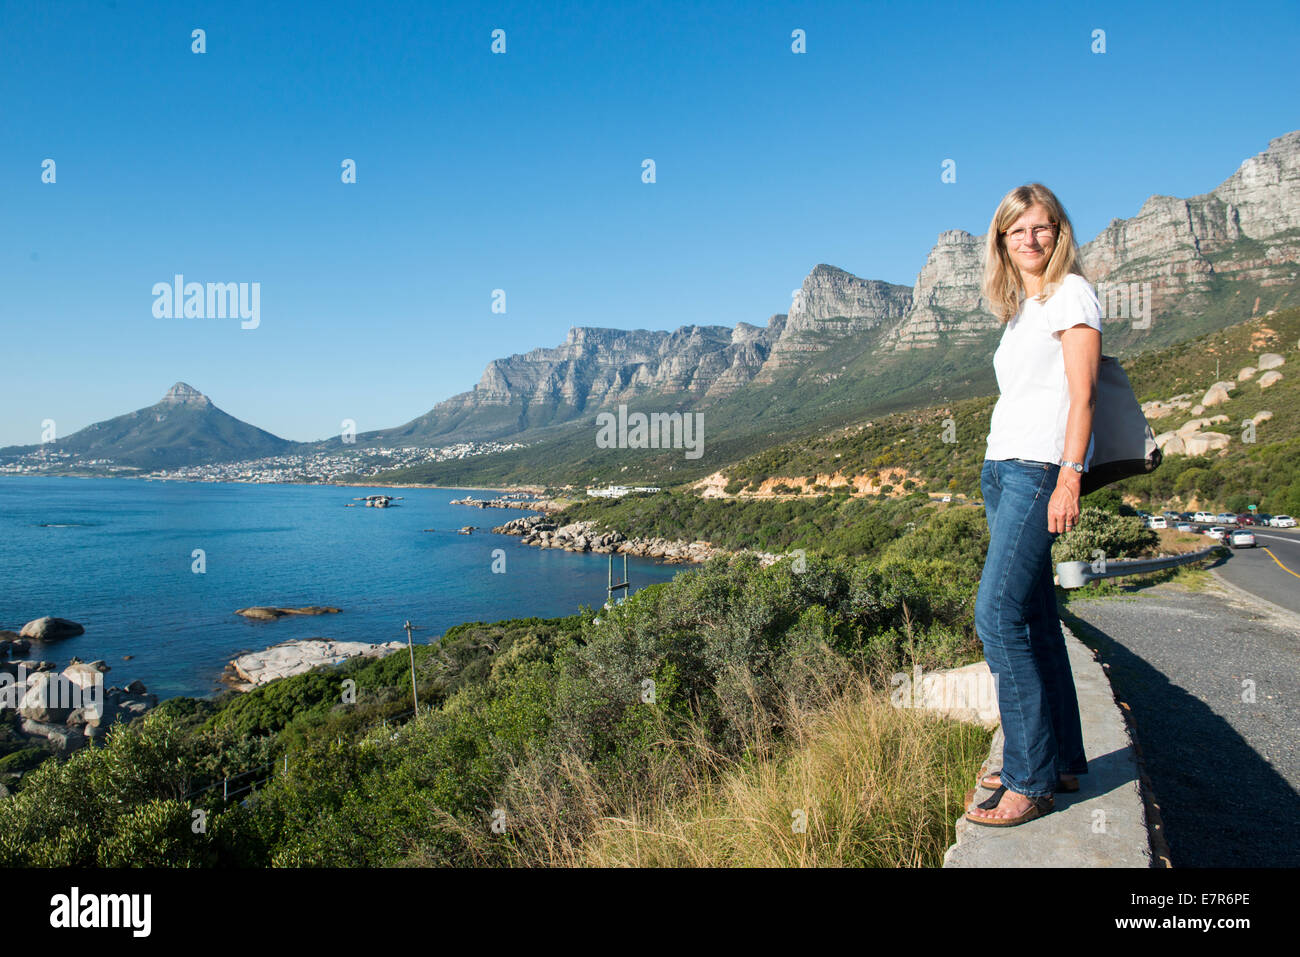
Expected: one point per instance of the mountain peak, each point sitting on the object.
(184, 394)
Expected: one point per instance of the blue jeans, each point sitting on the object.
(1016, 619)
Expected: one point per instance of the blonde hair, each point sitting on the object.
(1003, 285)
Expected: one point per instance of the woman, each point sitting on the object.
(1039, 444)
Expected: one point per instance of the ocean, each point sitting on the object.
(117, 556)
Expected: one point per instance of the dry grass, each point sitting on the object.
(854, 783)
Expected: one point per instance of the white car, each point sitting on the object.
(1241, 538)
(1226, 518)
(1282, 521)
(1184, 527)
(1157, 521)
(1216, 532)
(1205, 517)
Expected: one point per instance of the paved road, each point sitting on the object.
(1271, 570)
(1225, 769)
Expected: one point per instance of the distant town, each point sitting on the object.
(301, 467)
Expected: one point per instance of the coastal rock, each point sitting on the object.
(51, 629)
(271, 612)
(62, 737)
(299, 656)
(50, 697)
(84, 675)
(582, 536)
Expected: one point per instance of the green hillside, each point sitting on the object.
(941, 448)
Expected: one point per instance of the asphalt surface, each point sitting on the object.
(1224, 769)
(1271, 569)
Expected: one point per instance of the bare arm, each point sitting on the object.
(1081, 346)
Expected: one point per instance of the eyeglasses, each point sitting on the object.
(1021, 234)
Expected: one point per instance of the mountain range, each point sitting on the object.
(845, 348)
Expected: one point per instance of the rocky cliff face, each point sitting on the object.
(1246, 228)
(831, 305)
(184, 394)
(595, 367)
(946, 298)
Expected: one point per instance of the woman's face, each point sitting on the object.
(1029, 245)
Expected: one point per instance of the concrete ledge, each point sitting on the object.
(1103, 824)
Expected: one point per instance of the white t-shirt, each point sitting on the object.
(1034, 402)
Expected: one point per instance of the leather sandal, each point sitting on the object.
(1038, 806)
(1067, 784)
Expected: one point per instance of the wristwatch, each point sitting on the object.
(1077, 466)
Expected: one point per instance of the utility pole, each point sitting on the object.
(410, 646)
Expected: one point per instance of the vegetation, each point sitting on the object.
(731, 684)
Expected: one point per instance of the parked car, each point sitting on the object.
(1283, 521)
(1204, 517)
(1245, 518)
(1226, 518)
(1185, 527)
(1241, 538)
(1186, 517)
(1216, 531)
(1157, 521)
(1263, 518)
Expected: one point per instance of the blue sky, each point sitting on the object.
(522, 172)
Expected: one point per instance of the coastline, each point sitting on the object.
(532, 489)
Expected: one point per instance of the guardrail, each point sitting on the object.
(1078, 574)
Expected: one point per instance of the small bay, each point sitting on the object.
(117, 556)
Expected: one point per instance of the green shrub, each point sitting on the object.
(1115, 536)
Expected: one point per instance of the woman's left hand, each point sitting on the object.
(1063, 509)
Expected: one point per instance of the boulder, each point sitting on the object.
(49, 698)
(1199, 443)
(51, 629)
(1171, 443)
(1269, 378)
(1270, 360)
(963, 694)
(84, 675)
(1246, 373)
(1218, 394)
(271, 612)
(60, 735)
(296, 657)
(1192, 425)
(1262, 416)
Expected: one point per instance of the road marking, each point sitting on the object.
(1279, 564)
